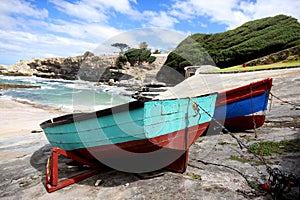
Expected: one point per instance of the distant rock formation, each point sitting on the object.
(87, 67)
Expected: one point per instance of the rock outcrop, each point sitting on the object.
(18, 69)
(87, 67)
(70, 68)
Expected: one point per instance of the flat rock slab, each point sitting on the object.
(24, 156)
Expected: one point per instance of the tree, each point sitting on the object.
(88, 54)
(143, 45)
(121, 46)
(157, 52)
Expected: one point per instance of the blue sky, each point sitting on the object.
(61, 28)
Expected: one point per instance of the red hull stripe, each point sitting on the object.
(178, 141)
(244, 92)
(242, 123)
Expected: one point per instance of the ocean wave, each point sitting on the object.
(62, 94)
(80, 86)
(46, 87)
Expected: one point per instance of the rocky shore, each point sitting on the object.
(25, 150)
(86, 67)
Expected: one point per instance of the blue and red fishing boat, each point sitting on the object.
(243, 108)
(140, 136)
(241, 103)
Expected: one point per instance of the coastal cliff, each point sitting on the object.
(85, 67)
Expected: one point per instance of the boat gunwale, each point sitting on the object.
(223, 99)
(77, 117)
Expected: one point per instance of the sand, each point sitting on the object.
(19, 118)
(24, 152)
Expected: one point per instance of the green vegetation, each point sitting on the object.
(254, 185)
(240, 68)
(143, 45)
(249, 160)
(194, 176)
(270, 148)
(121, 46)
(88, 54)
(238, 158)
(135, 56)
(234, 47)
(222, 143)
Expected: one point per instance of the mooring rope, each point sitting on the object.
(250, 183)
(241, 144)
(281, 180)
(253, 119)
(284, 101)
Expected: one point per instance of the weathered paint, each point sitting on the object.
(155, 119)
(166, 116)
(243, 107)
(239, 107)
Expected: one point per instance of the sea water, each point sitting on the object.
(64, 94)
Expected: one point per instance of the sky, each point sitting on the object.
(62, 28)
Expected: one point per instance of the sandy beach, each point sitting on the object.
(24, 152)
(20, 118)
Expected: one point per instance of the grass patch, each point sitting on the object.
(268, 148)
(253, 161)
(222, 143)
(194, 176)
(259, 67)
(254, 185)
(238, 158)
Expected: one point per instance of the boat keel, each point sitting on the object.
(180, 164)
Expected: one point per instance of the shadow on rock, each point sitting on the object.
(67, 167)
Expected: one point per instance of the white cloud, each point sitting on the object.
(92, 11)
(13, 12)
(122, 6)
(156, 38)
(81, 10)
(22, 7)
(28, 31)
(159, 19)
(266, 8)
(88, 31)
(233, 13)
(27, 45)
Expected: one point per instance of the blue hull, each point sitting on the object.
(242, 108)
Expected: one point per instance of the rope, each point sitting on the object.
(241, 144)
(271, 101)
(253, 119)
(284, 101)
(274, 187)
(220, 165)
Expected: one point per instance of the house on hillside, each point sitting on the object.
(193, 70)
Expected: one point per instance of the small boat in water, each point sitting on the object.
(243, 108)
(140, 136)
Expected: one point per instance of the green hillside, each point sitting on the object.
(251, 40)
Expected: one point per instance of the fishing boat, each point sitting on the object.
(140, 136)
(243, 108)
(241, 103)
